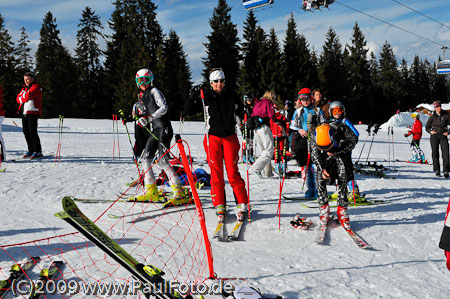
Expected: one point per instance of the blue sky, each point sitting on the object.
(189, 18)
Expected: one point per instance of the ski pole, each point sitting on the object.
(393, 151)
(364, 144)
(60, 128)
(117, 135)
(246, 158)
(375, 131)
(389, 145)
(131, 143)
(114, 137)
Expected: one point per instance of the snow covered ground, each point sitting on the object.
(405, 262)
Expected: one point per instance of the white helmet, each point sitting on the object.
(336, 104)
(144, 76)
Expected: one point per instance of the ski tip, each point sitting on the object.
(61, 215)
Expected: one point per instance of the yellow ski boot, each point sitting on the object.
(180, 196)
(151, 194)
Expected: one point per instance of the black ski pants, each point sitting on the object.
(141, 136)
(29, 128)
(437, 140)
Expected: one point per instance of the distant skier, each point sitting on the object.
(332, 141)
(416, 132)
(153, 110)
(437, 126)
(30, 105)
(263, 113)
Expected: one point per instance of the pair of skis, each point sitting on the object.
(146, 274)
(322, 230)
(18, 273)
(219, 233)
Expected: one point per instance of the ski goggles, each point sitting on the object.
(143, 80)
(219, 81)
(337, 110)
(304, 97)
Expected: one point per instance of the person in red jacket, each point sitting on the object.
(416, 132)
(2, 117)
(30, 106)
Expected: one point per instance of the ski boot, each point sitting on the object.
(324, 215)
(301, 222)
(151, 194)
(220, 213)
(180, 196)
(241, 210)
(353, 192)
(343, 218)
(423, 160)
(414, 159)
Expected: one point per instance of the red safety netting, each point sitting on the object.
(172, 239)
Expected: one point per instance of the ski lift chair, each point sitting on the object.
(252, 4)
(443, 67)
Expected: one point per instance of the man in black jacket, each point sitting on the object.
(437, 126)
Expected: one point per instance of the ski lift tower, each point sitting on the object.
(252, 4)
(443, 66)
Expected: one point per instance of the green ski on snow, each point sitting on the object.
(147, 275)
(17, 272)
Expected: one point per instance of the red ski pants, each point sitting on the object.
(224, 149)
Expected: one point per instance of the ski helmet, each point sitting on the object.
(304, 93)
(336, 104)
(416, 115)
(324, 137)
(144, 76)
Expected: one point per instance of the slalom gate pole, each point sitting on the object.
(393, 152)
(208, 158)
(117, 135)
(114, 136)
(60, 128)
(249, 219)
(389, 145)
(198, 205)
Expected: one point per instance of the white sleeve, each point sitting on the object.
(160, 101)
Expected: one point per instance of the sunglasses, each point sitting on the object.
(143, 80)
(219, 81)
(305, 99)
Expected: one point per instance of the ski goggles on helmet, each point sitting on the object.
(337, 110)
(143, 80)
(304, 96)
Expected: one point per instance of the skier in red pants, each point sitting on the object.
(222, 145)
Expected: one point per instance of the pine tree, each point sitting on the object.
(389, 82)
(271, 76)
(291, 60)
(174, 74)
(92, 101)
(331, 68)
(305, 72)
(222, 48)
(22, 53)
(133, 45)
(404, 87)
(358, 73)
(249, 76)
(8, 78)
(56, 72)
(420, 88)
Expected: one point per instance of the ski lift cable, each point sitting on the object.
(440, 23)
(386, 22)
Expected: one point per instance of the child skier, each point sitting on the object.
(305, 118)
(153, 109)
(416, 132)
(332, 141)
(337, 112)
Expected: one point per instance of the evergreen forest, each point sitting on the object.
(96, 83)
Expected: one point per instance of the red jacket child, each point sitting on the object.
(416, 130)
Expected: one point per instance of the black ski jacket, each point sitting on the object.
(438, 123)
(222, 111)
